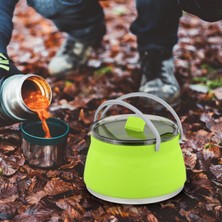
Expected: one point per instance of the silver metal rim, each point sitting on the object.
(117, 118)
(135, 201)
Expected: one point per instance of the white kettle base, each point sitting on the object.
(135, 201)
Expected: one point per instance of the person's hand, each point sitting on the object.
(7, 67)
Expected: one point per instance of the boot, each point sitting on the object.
(157, 69)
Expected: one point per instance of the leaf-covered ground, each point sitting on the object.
(31, 194)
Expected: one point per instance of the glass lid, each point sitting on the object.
(117, 129)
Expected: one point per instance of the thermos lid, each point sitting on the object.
(129, 129)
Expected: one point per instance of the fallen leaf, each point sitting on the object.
(199, 88)
(217, 172)
(218, 93)
(36, 197)
(57, 186)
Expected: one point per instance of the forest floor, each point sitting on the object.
(32, 194)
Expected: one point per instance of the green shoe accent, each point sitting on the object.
(2, 55)
(4, 62)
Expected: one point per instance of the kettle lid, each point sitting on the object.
(129, 129)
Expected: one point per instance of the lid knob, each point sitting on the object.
(135, 123)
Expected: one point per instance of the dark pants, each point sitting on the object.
(156, 25)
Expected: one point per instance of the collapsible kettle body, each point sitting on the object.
(13, 91)
(135, 158)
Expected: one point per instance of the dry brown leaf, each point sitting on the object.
(57, 186)
(218, 93)
(201, 181)
(117, 211)
(7, 148)
(190, 159)
(218, 210)
(84, 118)
(7, 211)
(72, 163)
(71, 206)
(53, 173)
(8, 167)
(210, 153)
(167, 204)
(8, 193)
(36, 197)
(151, 218)
(217, 172)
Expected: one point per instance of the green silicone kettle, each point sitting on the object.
(135, 158)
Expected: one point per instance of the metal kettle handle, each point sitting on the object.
(155, 98)
(136, 111)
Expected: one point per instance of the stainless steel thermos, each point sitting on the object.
(12, 94)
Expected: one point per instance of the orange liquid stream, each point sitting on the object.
(39, 103)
